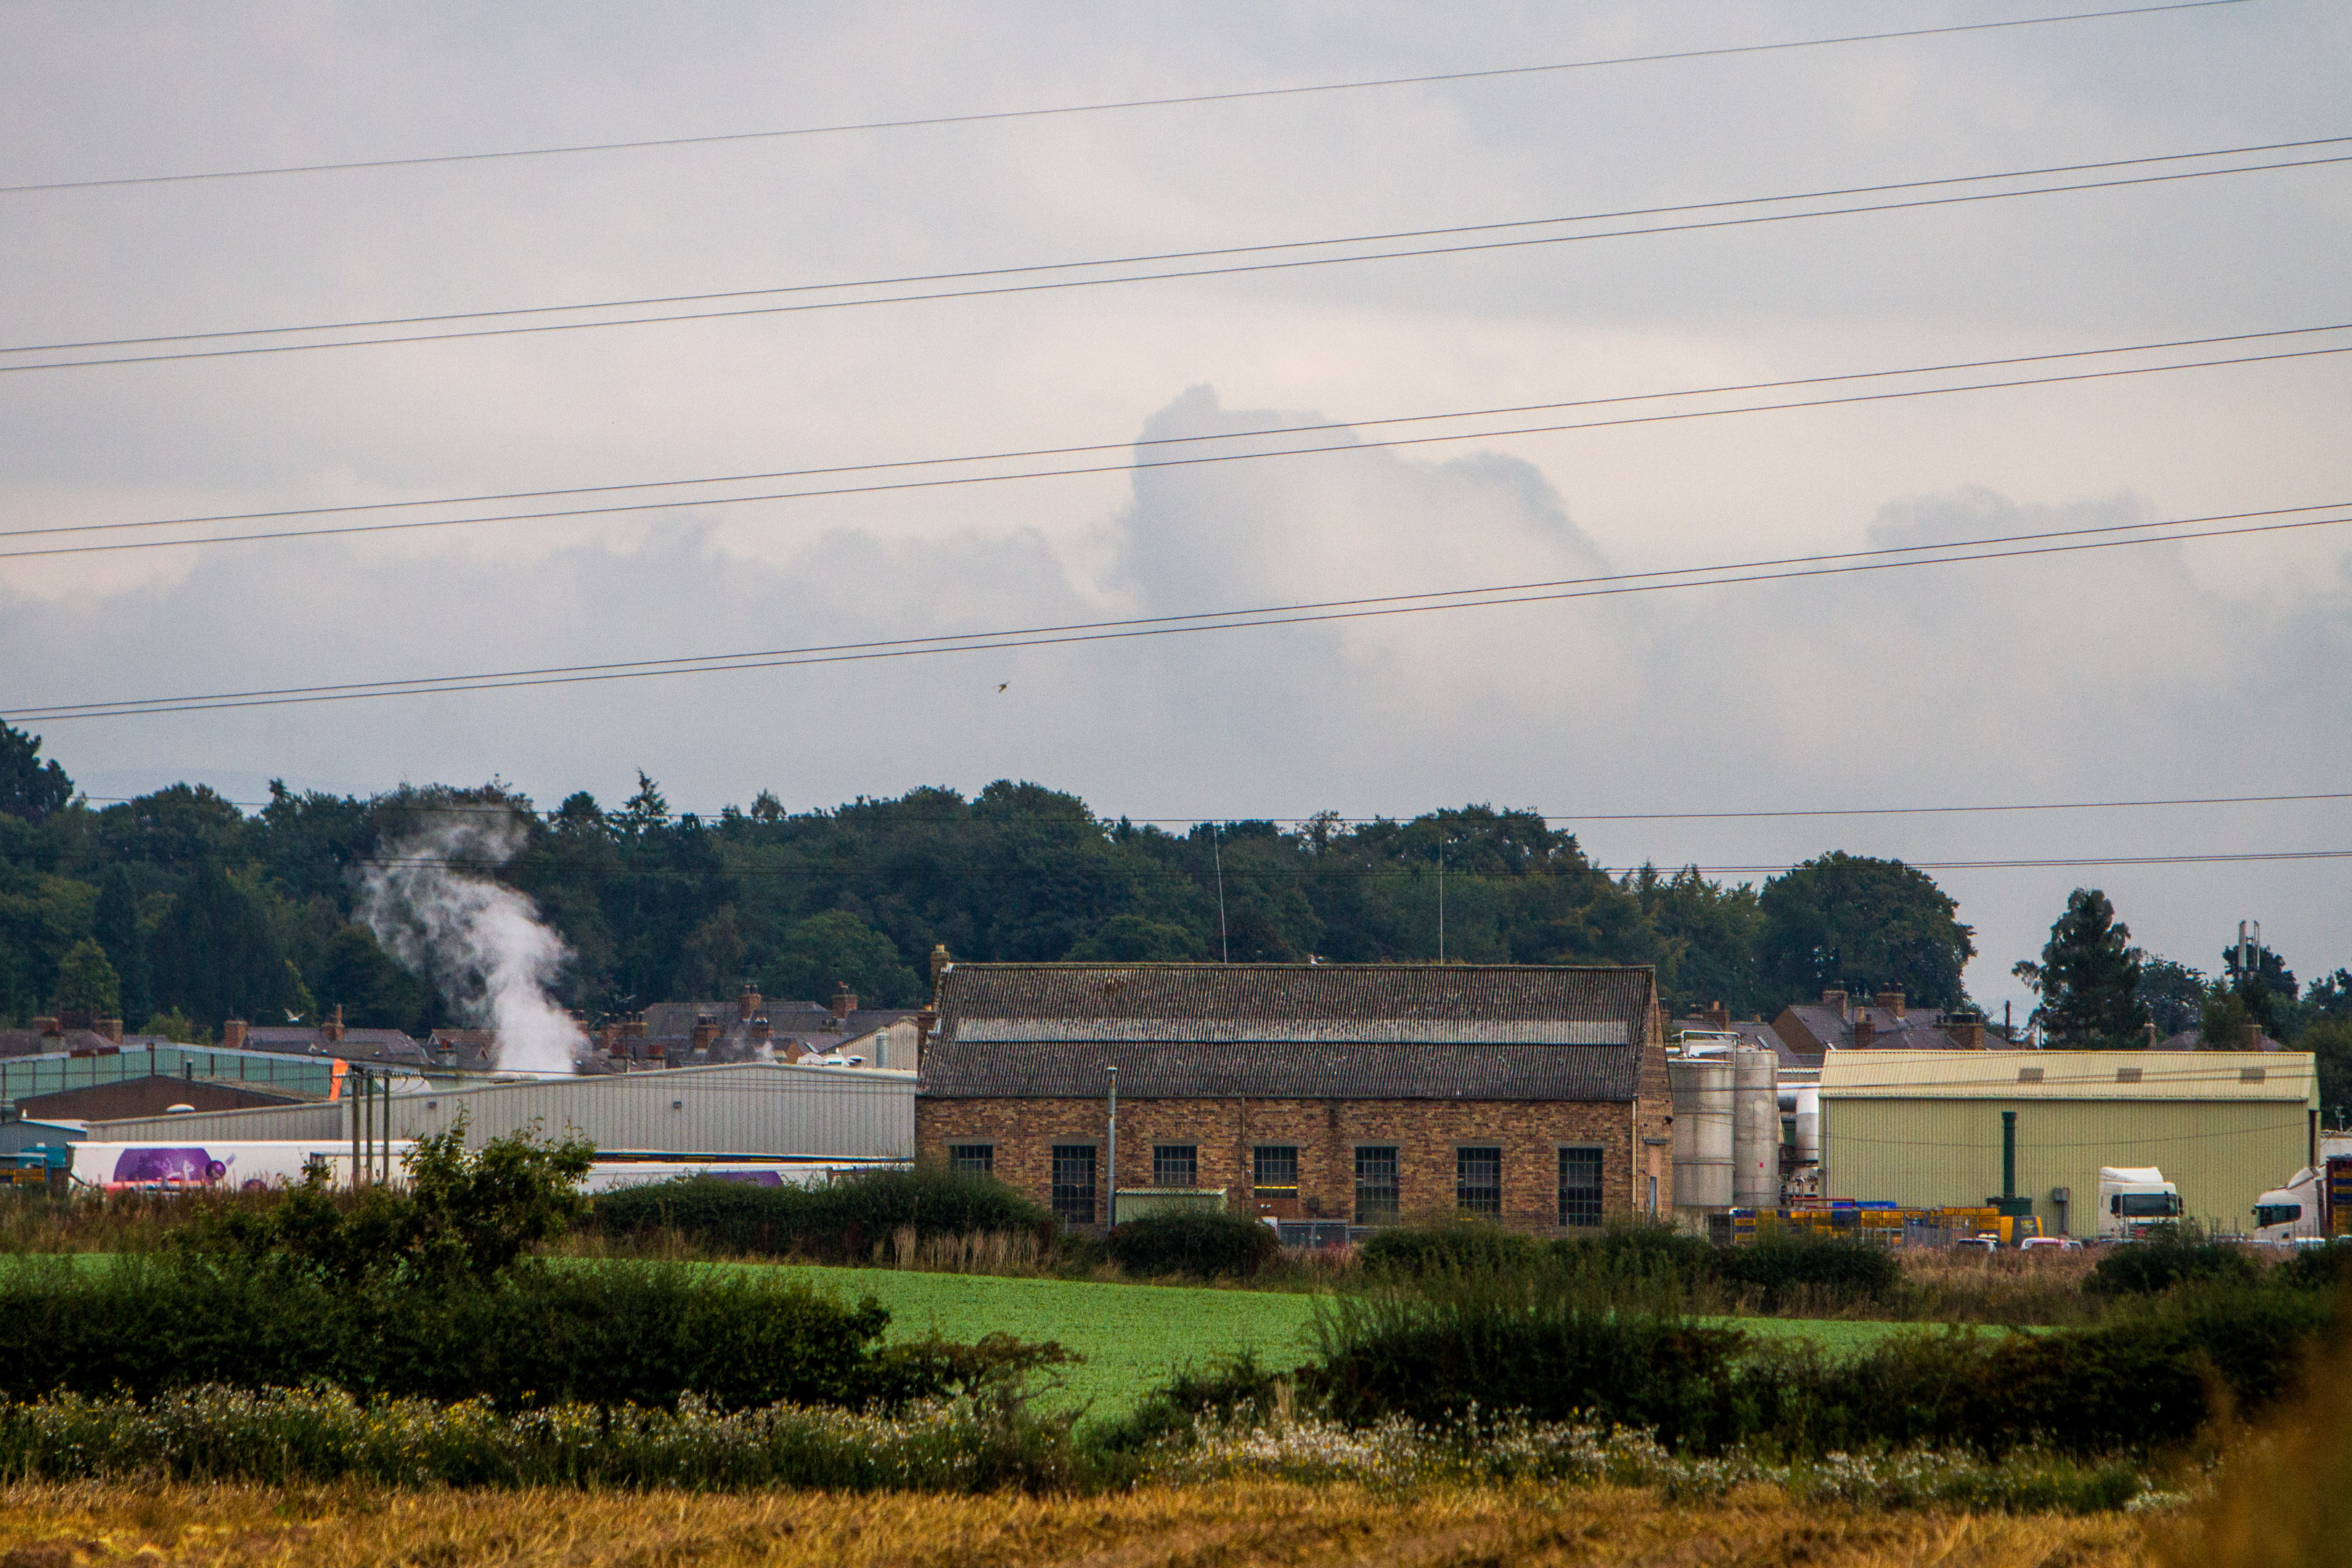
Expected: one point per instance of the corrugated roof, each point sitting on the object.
(2069, 1074)
(1269, 1069)
(1288, 1031)
(1317, 1003)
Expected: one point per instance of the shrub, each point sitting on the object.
(2316, 1268)
(2150, 1268)
(1466, 1246)
(1202, 1245)
(841, 1223)
(541, 1335)
(1836, 1267)
(1639, 1253)
(1501, 1343)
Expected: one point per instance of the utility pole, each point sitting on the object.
(1225, 941)
(1441, 901)
(1110, 1187)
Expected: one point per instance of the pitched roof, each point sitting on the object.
(1393, 1002)
(1288, 1031)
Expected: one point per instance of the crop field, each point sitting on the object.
(1236, 1525)
(1134, 1336)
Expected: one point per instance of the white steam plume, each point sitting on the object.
(482, 943)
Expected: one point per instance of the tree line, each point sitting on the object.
(181, 907)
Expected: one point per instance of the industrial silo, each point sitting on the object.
(1702, 1087)
(1755, 1129)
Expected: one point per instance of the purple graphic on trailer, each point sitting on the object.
(141, 1165)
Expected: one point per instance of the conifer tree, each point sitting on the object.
(2089, 978)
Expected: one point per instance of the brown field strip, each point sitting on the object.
(1228, 1526)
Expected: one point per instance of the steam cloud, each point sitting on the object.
(482, 943)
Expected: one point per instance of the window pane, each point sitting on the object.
(1376, 1184)
(1579, 1186)
(1478, 1181)
(1276, 1169)
(972, 1159)
(1074, 1182)
(1176, 1165)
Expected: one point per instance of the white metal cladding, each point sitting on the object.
(749, 1108)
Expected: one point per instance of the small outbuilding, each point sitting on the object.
(1925, 1127)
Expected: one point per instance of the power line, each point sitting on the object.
(1382, 237)
(1232, 269)
(1336, 448)
(1113, 105)
(1178, 441)
(2106, 536)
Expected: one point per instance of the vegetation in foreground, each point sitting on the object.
(1237, 1524)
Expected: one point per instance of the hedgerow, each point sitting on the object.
(839, 1222)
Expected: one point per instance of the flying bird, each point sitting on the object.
(1002, 684)
(293, 1017)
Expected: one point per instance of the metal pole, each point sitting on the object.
(1224, 942)
(1111, 1186)
(1441, 901)
(2009, 1153)
(351, 1093)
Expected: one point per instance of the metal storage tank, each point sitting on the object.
(1755, 1131)
(1702, 1089)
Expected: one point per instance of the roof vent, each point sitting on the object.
(2128, 1075)
(2249, 1075)
(2029, 1075)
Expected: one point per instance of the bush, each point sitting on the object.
(1639, 1253)
(1201, 1244)
(544, 1335)
(2316, 1268)
(841, 1223)
(1780, 1269)
(2151, 1267)
(1453, 1246)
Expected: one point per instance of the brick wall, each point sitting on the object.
(1326, 1133)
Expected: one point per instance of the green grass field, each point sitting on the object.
(1134, 1336)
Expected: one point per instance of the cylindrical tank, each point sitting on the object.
(1808, 1127)
(1755, 1131)
(1702, 1099)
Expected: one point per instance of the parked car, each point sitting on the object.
(2052, 1244)
(1984, 1243)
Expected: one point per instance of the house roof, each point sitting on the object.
(1288, 1031)
(356, 1042)
(1754, 1033)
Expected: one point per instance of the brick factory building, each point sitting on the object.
(1355, 1093)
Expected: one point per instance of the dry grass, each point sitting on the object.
(1228, 1526)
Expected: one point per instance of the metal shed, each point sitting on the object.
(1924, 1128)
(740, 1109)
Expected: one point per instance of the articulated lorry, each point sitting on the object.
(2316, 1204)
(2132, 1198)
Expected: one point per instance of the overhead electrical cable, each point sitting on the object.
(1229, 270)
(1153, 442)
(1119, 105)
(1895, 557)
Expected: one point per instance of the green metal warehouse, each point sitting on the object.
(1924, 1128)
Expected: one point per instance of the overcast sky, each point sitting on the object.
(2214, 667)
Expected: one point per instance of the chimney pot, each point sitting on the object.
(1891, 1001)
(50, 1027)
(844, 1000)
(1866, 1031)
(1835, 999)
(747, 1004)
(333, 1028)
(233, 1034)
(1967, 1034)
(110, 1028)
(1719, 1017)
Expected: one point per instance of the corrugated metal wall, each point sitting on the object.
(1928, 1152)
(753, 1107)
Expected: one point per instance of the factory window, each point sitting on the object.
(1376, 1184)
(1175, 1165)
(1478, 1181)
(1274, 1171)
(1579, 1186)
(972, 1159)
(1074, 1182)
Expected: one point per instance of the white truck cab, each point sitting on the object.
(2134, 1197)
(2295, 1212)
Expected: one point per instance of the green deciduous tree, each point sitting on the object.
(826, 950)
(217, 956)
(2175, 994)
(115, 923)
(29, 787)
(2089, 979)
(87, 981)
(1851, 922)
